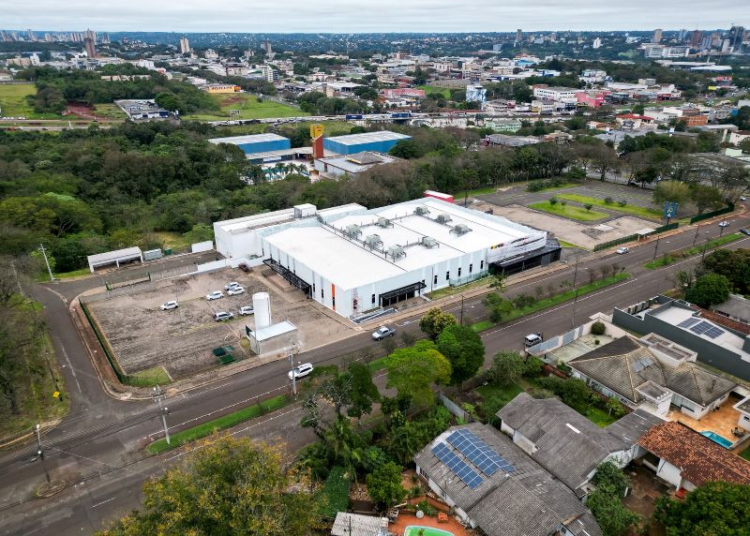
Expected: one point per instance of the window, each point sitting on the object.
(471, 268)
(322, 294)
(447, 275)
(373, 299)
(313, 288)
(333, 302)
(435, 281)
(481, 265)
(459, 272)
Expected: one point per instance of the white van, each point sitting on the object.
(532, 339)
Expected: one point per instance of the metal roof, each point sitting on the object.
(369, 137)
(250, 138)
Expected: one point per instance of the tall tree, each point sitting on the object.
(464, 349)
(229, 486)
(414, 370)
(384, 485)
(708, 290)
(435, 321)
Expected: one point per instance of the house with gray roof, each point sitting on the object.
(493, 485)
(654, 374)
(566, 443)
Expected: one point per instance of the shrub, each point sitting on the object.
(622, 202)
(553, 201)
(563, 202)
(588, 206)
(608, 200)
(598, 328)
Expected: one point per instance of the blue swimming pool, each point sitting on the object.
(716, 438)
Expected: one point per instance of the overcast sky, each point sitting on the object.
(351, 16)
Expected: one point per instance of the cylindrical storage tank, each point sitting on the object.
(262, 310)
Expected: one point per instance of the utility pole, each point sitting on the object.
(46, 261)
(159, 395)
(462, 310)
(656, 247)
(575, 297)
(294, 376)
(40, 450)
(697, 232)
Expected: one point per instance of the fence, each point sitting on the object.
(454, 408)
(468, 279)
(103, 342)
(632, 237)
(708, 215)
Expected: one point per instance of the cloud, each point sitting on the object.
(341, 16)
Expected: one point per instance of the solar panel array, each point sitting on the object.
(709, 330)
(687, 323)
(457, 465)
(479, 453)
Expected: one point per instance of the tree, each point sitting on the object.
(363, 391)
(413, 371)
(384, 485)
(406, 149)
(675, 192)
(611, 514)
(708, 290)
(463, 347)
(732, 264)
(435, 321)
(507, 368)
(229, 486)
(714, 509)
(706, 197)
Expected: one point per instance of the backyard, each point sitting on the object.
(250, 106)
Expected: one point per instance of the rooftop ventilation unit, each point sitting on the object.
(421, 211)
(395, 252)
(461, 229)
(384, 223)
(352, 231)
(429, 242)
(372, 241)
(443, 219)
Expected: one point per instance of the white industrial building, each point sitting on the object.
(355, 260)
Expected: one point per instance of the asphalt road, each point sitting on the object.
(98, 449)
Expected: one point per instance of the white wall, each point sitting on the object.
(669, 473)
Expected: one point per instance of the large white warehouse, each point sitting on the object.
(354, 260)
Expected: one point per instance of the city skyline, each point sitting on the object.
(382, 16)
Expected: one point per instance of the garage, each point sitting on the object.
(117, 257)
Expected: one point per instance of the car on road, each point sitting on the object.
(234, 291)
(382, 332)
(622, 251)
(724, 224)
(215, 295)
(246, 310)
(168, 306)
(230, 286)
(300, 371)
(745, 231)
(223, 315)
(532, 339)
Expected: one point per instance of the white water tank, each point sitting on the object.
(262, 307)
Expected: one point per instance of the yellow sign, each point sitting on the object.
(56, 394)
(316, 131)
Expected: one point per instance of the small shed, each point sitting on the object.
(117, 257)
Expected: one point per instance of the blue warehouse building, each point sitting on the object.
(257, 143)
(380, 142)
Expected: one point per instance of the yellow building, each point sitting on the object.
(223, 88)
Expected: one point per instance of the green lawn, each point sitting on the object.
(222, 423)
(641, 212)
(674, 256)
(109, 111)
(148, 378)
(82, 272)
(569, 211)
(249, 108)
(13, 102)
(333, 128)
(434, 89)
(599, 417)
(565, 244)
(481, 326)
(746, 454)
(560, 187)
(173, 240)
(495, 397)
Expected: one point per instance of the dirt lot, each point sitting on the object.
(580, 234)
(142, 336)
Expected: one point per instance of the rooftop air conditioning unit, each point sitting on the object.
(352, 231)
(395, 252)
(421, 211)
(429, 242)
(384, 223)
(443, 218)
(461, 229)
(372, 241)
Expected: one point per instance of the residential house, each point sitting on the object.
(654, 374)
(504, 125)
(735, 308)
(687, 459)
(493, 485)
(566, 443)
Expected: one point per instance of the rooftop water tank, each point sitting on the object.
(262, 308)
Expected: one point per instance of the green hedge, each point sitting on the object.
(632, 237)
(700, 217)
(336, 493)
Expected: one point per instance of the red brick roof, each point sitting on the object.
(708, 314)
(699, 459)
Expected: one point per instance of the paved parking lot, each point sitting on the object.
(143, 336)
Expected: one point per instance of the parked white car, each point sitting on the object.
(235, 290)
(246, 310)
(383, 332)
(622, 251)
(223, 315)
(231, 285)
(169, 305)
(216, 295)
(300, 371)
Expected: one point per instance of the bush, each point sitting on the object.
(523, 300)
(608, 200)
(598, 328)
(553, 201)
(622, 202)
(588, 206)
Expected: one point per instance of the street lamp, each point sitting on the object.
(159, 395)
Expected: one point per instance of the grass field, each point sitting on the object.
(433, 89)
(109, 111)
(13, 102)
(673, 256)
(148, 378)
(568, 211)
(249, 108)
(333, 128)
(641, 212)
